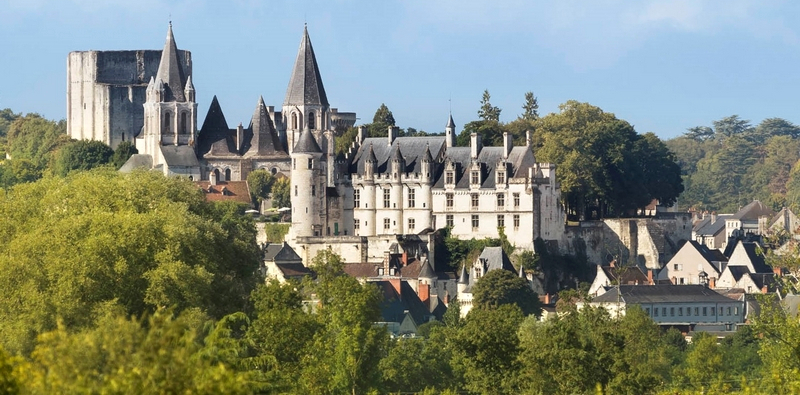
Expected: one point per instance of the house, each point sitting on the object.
(491, 258)
(785, 220)
(218, 191)
(282, 263)
(750, 255)
(691, 260)
(686, 307)
(750, 219)
(710, 230)
(402, 309)
(609, 276)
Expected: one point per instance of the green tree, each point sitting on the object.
(34, 138)
(17, 171)
(488, 112)
(281, 193)
(381, 121)
(731, 126)
(159, 354)
(486, 348)
(81, 155)
(140, 241)
(260, 182)
(345, 352)
(501, 287)
(704, 364)
(530, 110)
(699, 133)
(603, 162)
(124, 151)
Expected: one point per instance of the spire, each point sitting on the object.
(464, 277)
(307, 144)
(215, 119)
(450, 123)
(265, 140)
(170, 71)
(305, 85)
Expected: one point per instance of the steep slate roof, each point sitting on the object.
(757, 259)
(305, 85)
(306, 143)
(280, 252)
(395, 305)
(450, 123)
(753, 211)
(170, 71)
(179, 155)
(706, 228)
(412, 150)
(520, 158)
(638, 294)
(215, 138)
(427, 270)
(629, 275)
(260, 137)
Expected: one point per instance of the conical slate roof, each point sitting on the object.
(450, 123)
(264, 140)
(464, 277)
(371, 155)
(307, 143)
(170, 71)
(427, 155)
(305, 85)
(427, 270)
(215, 119)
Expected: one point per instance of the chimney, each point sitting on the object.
(777, 271)
(508, 144)
(362, 134)
(674, 280)
(425, 294)
(527, 138)
(713, 217)
(392, 133)
(405, 258)
(764, 289)
(650, 277)
(239, 137)
(475, 145)
(386, 259)
(613, 263)
(546, 298)
(712, 282)
(212, 178)
(446, 298)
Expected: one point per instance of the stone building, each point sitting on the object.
(382, 192)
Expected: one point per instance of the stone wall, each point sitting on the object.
(647, 242)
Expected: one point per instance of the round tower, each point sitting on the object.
(425, 196)
(306, 200)
(396, 202)
(367, 206)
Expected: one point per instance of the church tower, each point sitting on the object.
(170, 110)
(306, 104)
(450, 133)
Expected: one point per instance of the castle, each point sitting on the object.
(384, 194)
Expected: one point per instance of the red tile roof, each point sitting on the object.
(237, 191)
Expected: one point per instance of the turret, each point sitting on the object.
(427, 162)
(189, 90)
(398, 163)
(370, 164)
(426, 273)
(305, 197)
(450, 133)
(463, 280)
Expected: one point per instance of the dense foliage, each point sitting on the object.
(730, 164)
(76, 245)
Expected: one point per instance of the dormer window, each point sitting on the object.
(476, 177)
(501, 176)
(449, 177)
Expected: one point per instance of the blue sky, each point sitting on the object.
(663, 66)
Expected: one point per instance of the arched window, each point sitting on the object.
(183, 122)
(227, 174)
(167, 122)
(294, 120)
(311, 119)
(216, 174)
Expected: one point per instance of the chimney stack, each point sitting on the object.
(712, 282)
(650, 277)
(508, 144)
(392, 133)
(362, 134)
(475, 145)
